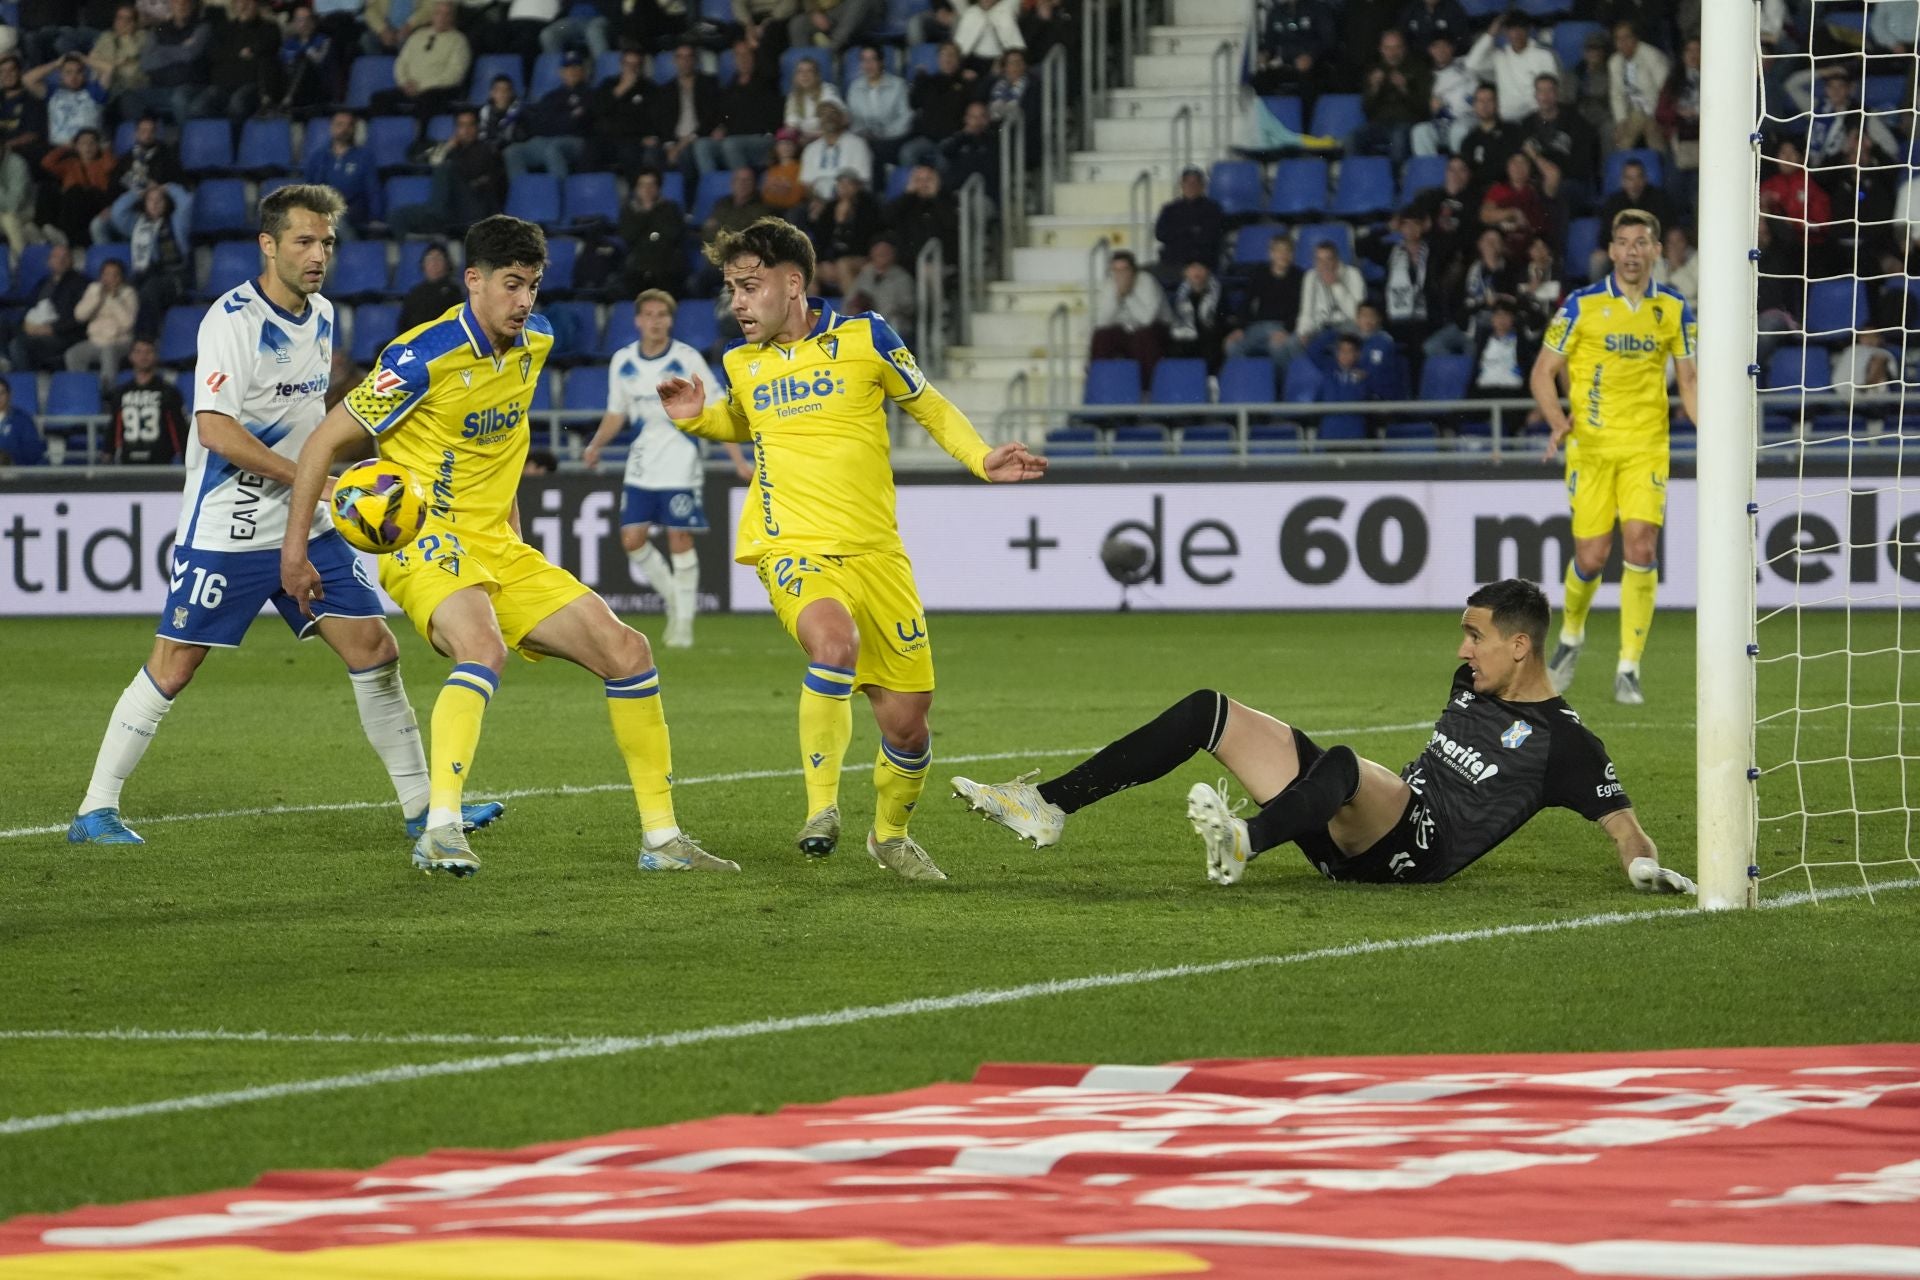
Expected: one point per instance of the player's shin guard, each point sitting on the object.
(457, 713)
(826, 727)
(1154, 750)
(898, 779)
(394, 733)
(136, 718)
(1638, 586)
(1309, 801)
(1579, 600)
(686, 587)
(640, 730)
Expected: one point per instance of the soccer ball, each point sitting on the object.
(378, 506)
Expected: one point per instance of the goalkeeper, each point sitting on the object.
(1505, 747)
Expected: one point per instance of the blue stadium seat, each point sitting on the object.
(607, 66)
(123, 137)
(1072, 442)
(1250, 243)
(206, 146)
(585, 388)
(1273, 437)
(266, 145)
(1338, 428)
(543, 392)
(1336, 115)
(618, 333)
(234, 263)
(1308, 236)
(1246, 380)
(118, 250)
(440, 127)
(1112, 382)
(1618, 161)
(546, 76)
(391, 140)
(403, 189)
(314, 137)
(1365, 187)
(713, 187)
(369, 76)
(1546, 8)
(1884, 93)
(1235, 184)
(270, 185)
(673, 186)
(31, 269)
(1412, 435)
(374, 326)
(184, 384)
(1445, 377)
(1795, 368)
(794, 57)
(723, 67)
(663, 71)
(576, 329)
(1286, 109)
(220, 209)
(1179, 381)
(73, 395)
(893, 27)
(897, 181)
(488, 67)
(593, 197)
(1570, 41)
(360, 270)
(563, 255)
(406, 270)
(1303, 382)
(25, 386)
(179, 335)
(1835, 308)
(535, 197)
(923, 60)
(1207, 438)
(694, 323)
(1142, 438)
(1583, 238)
(1485, 8)
(1421, 172)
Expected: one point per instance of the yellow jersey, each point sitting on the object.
(441, 403)
(816, 414)
(1616, 354)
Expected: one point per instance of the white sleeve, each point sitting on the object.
(698, 367)
(619, 388)
(224, 360)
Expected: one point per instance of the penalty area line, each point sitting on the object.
(853, 1015)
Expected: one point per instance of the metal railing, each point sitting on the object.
(1140, 212)
(930, 306)
(1059, 351)
(1054, 113)
(1222, 86)
(1099, 261)
(1019, 403)
(1093, 68)
(1013, 185)
(1180, 146)
(975, 218)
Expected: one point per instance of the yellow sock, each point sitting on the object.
(456, 737)
(1637, 589)
(826, 727)
(898, 778)
(1573, 614)
(640, 731)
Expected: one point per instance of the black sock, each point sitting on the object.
(1152, 751)
(1308, 803)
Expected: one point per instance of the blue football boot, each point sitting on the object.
(102, 826)
(472, 818)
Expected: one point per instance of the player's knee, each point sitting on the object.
(633, 537)
(836, 648)
(489, 652)
(1200, 717)
(628, 654)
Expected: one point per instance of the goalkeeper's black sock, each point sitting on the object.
(1308, 802)
(1152, 751)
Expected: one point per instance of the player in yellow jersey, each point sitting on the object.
(1611, 342)
(449, 401)
(808, 386)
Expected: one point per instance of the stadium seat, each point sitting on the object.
(1210, 438)
(1340, 428)
(73, 395)
(117, 250)
(897, 181)
(490, 66)
(123, 137)
(1421, 173)
(360, 270)
(893, 27)
(713, 186)
(1339, 233)
(606, 66)
(1835, 308)
(694, 323)
(1884, 93)
(923, 60)
(1246, 380)
(266, 145)
(1412, 436)
(1112, 382)
(563, 255)
(535, 197)
(1548, 9)
(794, 57)
(403, 189)
(1303, 382)
(663, 71)
(1795, 369)
(546, 76)
(1181, 381)
(543, 392)
(1570, 41)
(585, 388)
(673, 186)
(1072, 442)
(1583, 238)
(1273, 437)
(1250, 243)
(369, 76)
(1335, 115)
(180, 335)
(1364, 188)
(1143, 438)
(220, 209)
(374, 326)
(270, 185)
(391, 140)
(1445, 377)
(440, 127)
(1618, 161)
(25, 386)
(618, 333)
(1287, 110)
(31, 269)
(1235, 184)
(406, 269)
(576, 329)
(592, 197)
(234, 263)
(206, 146)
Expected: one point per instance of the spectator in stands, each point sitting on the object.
(835, 152)
(19, 200)
(1361, 24)
(1635, 75)
(806, 96)
(1191, 227)
(1800, 205)
(85, 175)
(1130, 316)
(1269, 310)
(780, 185)
(1486, 283)
(686, 111)
(924, 212)
(108, 309)
(653, 229)
(1449, 100)
(739, 208)
(580, 27)
(1589, 86)
(148, 415)
(1045, 24)
(76, 103)
(877, 102)
(385, 34)
(1678, 266)
(1347, 381)
(243, 63)
(1678, 111)
(468, 183)
(1330, 295)
(348, 167)
(1503, 356)
(147, 162)
(844, 229)
(21, 444)
(1199, 323)
(520, 28)
(1539, 289)
(344, 377)
(656, 25)
(764, 24)
(1411, 280)
(973, 150)
(987, 29)
(499, 119)
(940, 97)
(161, 264)
(1015, 86)
(1866, 361)
(829, 24)
(1562, 147)
(1379, 354)
(553, 131)
(436, 292)
(1396, 94)
(751, 111)
(307, 67)
(883, 285)
(115, 56)
(23, 117)
(50, 324)
(1868, 184)
(1297, 40)
(1514, 68)
(52, 29)
(623, 113)
(1487, 141)
(430, 74)
(1425, 19)
(1452, 217)
(174, 62)
(1835, 114)
(1635, 193)
(1517, 206)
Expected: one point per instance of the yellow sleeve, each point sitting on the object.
(949, 428)
(722, 421)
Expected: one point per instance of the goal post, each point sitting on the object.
(1724, 519)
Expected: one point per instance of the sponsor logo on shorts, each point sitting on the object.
(180, 618)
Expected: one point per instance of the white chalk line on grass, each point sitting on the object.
(615, 1045)
(745, 775)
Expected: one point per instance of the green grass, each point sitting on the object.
(310, 922)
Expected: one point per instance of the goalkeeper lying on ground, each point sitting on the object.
(1505, 747)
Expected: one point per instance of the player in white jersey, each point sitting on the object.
(265, 354)
(663, 479)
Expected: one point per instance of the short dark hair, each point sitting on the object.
(775, 241)
(1634, 218)
(1518, 607)
(505, 241)
(1126, 256)
(276, 211)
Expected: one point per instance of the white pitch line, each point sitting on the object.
(221, 1035)
(745, 775)
(615, 1045)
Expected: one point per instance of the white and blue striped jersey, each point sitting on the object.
(267, 369)
(661, 456)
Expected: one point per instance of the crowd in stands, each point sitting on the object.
(137, 136)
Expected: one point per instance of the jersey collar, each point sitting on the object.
(829, 318)
(281, 311)
(1613, 290)
(477, 337)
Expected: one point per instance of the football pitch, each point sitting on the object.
(267, 984)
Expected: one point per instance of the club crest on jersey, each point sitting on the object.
(831, 346)
(180, 618)
(1658, 314)
(1517, 732)
(526, 367)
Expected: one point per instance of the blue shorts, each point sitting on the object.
(668, 508)
(214, 596)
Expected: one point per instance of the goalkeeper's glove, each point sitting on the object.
(1649, 876)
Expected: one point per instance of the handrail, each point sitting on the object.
(1059, 352)
(1219, 96)
(1180, 129)
(1140, 211)
(1013, 186)
(1020, 386)
(1099, 261)
(1093, 68)
(930, 305)
(1053, 123)
(972, 199)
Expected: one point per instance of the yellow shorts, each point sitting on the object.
(877, 589)
(525, 588)
(1600, 486)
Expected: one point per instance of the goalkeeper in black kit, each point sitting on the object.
(1505, 747)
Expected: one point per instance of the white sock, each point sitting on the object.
(1626, 668)
(394, 733)
(652, 566)
(135, 719)
(444, 818)
(654, 839)
(686, 585)
(1567, 637)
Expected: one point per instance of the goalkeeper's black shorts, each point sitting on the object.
(1413, 852)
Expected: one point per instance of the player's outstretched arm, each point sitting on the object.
(1010, 462)
(685, 402)
(298, 578)
(1544, 382)
(1639, 856)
